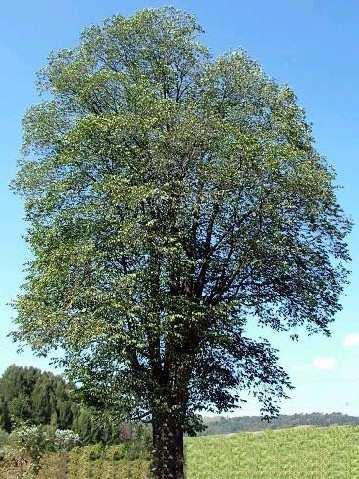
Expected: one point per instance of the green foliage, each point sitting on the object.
(42, 398)
(3, 440)
(297, 453)
(95, 426)
(27, 444)
(3, 437)
(28, 394)
(116, 453)
(105, 462)
(94, 452)
(5, 418)
(31, 449)
(171, 198)
(66, 440)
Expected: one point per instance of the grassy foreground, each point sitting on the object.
(297, 453)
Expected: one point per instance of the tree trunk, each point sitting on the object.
(168, 453)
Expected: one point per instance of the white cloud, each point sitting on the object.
(325, 363)
(351, 340)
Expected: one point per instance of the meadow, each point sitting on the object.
(296, 453)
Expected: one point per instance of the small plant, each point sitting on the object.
(116, 453)
(95, 451)
(27, 445)
(66, 440)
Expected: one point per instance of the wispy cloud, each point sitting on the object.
(351, 339)
(324, 363)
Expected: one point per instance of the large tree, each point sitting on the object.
(172, 199)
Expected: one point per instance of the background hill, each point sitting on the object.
(223, 425)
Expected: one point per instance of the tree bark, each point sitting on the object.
(168, 452)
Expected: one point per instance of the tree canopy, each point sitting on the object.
(172, 198)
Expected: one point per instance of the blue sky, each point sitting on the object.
(310, 44)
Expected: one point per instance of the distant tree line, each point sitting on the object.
(224, 425)
(29, 395)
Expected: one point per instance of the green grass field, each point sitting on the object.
(297, 453)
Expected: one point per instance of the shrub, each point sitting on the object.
(65, 440)
(94, 452)
(27, 445)
(116, 453)
(117, 462)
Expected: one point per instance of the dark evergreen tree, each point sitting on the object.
(5, 420)
(42, 398)
(28, 394)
